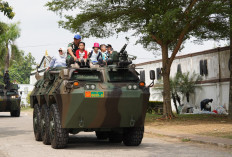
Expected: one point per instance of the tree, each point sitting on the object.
(9, 34)
(174, 85)
(230, 93)
(164, 24)
(6, 9)
(187, 82)
(21, 69)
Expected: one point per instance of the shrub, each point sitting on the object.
(155, 106)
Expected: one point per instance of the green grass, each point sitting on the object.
(185, 140)
(189, 117)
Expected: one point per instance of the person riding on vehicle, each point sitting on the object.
(58, 60)
(95, 55)
(72, 48)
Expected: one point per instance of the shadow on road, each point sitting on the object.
(82, 142)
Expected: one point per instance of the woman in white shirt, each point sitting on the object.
(59, 60)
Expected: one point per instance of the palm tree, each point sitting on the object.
(9, 33)
(174, 84)
(187, 83)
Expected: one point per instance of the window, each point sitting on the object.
(158, 72)
(179, 69)
(94, 76)
(203, 67)
(122, 76)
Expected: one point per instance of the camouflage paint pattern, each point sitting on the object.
(116, 106)
(9, 102)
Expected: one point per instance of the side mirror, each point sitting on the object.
(152, 74)
(21, 93)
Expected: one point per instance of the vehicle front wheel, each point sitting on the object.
(45, 125)
(36, 122)
(15, 113)
(133, 136)
(59, 135)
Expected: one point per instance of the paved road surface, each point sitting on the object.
(17, 140)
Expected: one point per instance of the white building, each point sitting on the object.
(212, 64)
(24, 89)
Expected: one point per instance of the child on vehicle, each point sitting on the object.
(82, 54)
(95, 55)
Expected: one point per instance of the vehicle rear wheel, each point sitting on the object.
(133, 136)
(115, 137)
(102, 135)
(44, 123)
(36, 122)
(59, 135)
(15, 113)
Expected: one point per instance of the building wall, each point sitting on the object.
(215, 85)
(25, 89)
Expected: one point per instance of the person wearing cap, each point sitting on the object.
(109, 49)
(58, 60)
(74, 46)
(106, 55)
(95, 55)
(6, 78)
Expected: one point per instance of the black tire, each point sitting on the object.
(115, 137)
(15, 113)
(44, 124)
(102, 135)
(133, 136)
(36, 122)
(59, 135)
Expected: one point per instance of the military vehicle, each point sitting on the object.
(10, 98)
(110, 100)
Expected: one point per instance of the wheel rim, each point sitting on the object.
(52, 127)
(43, 125)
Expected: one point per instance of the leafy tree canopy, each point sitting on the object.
(159, 21)
(6, 9)
(20, 70)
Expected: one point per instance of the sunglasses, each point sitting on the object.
(60, 50)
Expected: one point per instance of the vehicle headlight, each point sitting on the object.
(93, 87)
(135, 86)
(13, 97)
(87, 87)
(129, 86)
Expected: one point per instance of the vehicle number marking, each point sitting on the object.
(89, 94)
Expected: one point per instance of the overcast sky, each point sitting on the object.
(40, 32)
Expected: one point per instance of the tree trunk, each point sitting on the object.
(7, 59)
(174, 101)
(167, 109)
(230, 94)
(187, 96)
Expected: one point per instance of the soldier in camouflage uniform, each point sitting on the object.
(72, 48)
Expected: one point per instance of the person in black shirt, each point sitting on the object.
(205, 106)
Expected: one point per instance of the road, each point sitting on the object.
(17, 140)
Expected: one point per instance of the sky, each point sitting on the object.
(40, 32)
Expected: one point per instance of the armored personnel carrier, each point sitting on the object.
(110, 101)
(10, 99)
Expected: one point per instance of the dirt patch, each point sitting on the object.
(208, 125)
